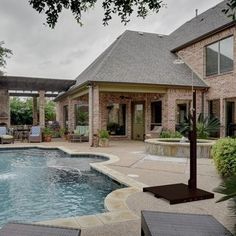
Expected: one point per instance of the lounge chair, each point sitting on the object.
(155, 223)
(5, 138)
(19, 229)
(35, 134)
(81, 134)
(155, 132)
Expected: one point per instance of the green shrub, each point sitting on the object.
(224, 155)
(170, 134)
(103, 134)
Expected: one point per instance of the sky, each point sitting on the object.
(65, 51)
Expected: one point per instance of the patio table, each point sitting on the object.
(155, 223)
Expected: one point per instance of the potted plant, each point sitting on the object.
(64, 133)
(47, 134)
(103, 138)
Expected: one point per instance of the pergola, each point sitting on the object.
(29, 87)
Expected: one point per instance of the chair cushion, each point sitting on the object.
(6, 136)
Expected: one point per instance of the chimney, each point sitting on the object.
(196, 11)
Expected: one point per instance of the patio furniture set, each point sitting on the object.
(30, 135)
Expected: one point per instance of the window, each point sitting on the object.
(81, 115)
(156, 114)
(116, 124)
(219, 57)
(181, 112)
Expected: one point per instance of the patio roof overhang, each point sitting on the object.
(29, 86)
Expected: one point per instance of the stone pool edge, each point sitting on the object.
(115, 202)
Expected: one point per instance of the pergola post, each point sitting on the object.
(94, 113)
(35, 111)
(41, 108)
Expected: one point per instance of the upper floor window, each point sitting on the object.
(219, 57)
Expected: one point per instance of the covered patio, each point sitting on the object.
(37, 88)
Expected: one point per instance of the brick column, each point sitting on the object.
(35, 111)
(222, 117)
(59, 113)
(41, 108)
(4, 107)
(94, 112)
(71, 112)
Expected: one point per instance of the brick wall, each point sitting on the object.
(71, 110)
(222, 86)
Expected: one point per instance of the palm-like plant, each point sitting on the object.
(205, 126)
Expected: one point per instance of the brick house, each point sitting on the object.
(134, 86)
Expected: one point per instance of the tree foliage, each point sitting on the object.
(4, 53)
(22, 111)
(231, 9)
(122, 8)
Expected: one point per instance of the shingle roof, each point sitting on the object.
(203, 24)
(142, 58)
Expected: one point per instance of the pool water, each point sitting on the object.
(38, 185)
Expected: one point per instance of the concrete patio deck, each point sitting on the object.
(149, 170)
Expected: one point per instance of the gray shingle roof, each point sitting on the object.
(139, 58)
(203, 24)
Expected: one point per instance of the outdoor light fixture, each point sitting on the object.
(180, 193)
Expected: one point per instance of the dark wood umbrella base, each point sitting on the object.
(178, 193)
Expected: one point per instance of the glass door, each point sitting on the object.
(138, 121)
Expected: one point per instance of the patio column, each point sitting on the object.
(222, 117)
(35, 111)
(41, 108)
(94, 112)
(70, 115)
(4, 107)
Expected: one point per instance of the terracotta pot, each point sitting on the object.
(47, 138)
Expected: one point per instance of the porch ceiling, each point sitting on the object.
(34, 84)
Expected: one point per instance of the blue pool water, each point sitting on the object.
(37, 185)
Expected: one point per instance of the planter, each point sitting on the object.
(103, 142)
(47, 138)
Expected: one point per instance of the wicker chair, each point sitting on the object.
(35, 134)
(5, 138)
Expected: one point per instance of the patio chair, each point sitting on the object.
(5, 138)
(81, 134)
(155, 132)
(154, 223)
(19, 229)
(35, 134)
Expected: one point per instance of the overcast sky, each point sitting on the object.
(67, 50)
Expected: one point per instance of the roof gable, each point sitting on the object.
(142, 58)
(200, 26)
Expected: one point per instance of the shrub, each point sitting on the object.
(103, 134)
(205, 126)
(170, 134)
(224, 155)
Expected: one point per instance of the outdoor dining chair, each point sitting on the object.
(5, 138)
(35, 134)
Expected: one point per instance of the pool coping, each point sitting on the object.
(115, 202)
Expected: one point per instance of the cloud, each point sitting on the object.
(67, 50)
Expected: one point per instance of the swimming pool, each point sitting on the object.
(38, 185)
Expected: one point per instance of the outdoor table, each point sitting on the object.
(154, 223)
